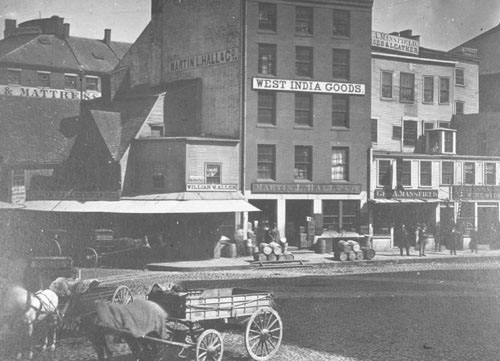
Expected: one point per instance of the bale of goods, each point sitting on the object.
(272, 257)
(352, 256)
(354, 245)
(360, 256)
(265, 248)
(369, 253)
(259, 256)
(321, 246)
(344, 246)
(341, 256)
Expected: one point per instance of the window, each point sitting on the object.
(341, 23)
(396, 132)
(18, 178)
(212, 173)
(387, 85)
(407, 87)
(304, 20)
(340, 164)
(303, 162)
(92, 83)
(374, 130)
(158, 176)
(304, 61)
(70, 82)
(156, 130)
(448, 142)
(385, 173)
(403, 172)
(459, 107)
(341, 64)
(266, 161)
(444, 124)
(267, 16)
(340, 111)
(428, 126)
(459, 77)
(447, 173)
(426, 173)
(43, 79)
(341, 215)
(444, 90)
(266, 113)
(428, 89)
(469, 173)
(303, 109)
(14, 76)
(490, 174)
(481, 143)
(410, 133)
(267, 59)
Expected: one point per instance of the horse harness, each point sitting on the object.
(41, 297)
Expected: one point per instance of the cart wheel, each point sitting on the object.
(90, 257)
(209, 346)
(263, 334)
(122, 295)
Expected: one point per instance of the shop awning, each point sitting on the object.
(402, 201)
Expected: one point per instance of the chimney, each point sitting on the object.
(406, 34)
(66, 31)
(107, 36)
(10, 27)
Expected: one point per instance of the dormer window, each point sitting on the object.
(441, 141)
(156, 130)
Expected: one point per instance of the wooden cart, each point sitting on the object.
(201, 316)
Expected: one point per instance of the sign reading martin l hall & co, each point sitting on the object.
(306, 188)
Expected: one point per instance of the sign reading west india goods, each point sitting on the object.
(306, 188)
(409, 194)
(405, 45)
(203, 60)
(47, 93)
(308, 86)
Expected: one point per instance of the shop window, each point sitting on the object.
(490, 174)
(212, 173)
(386, 85)
(267, 59)
(444, 90)
(341, 61)
(156, 130)
(70, 81)
(340, 164)
(304, 20)
(304, 109)
(459, 107)
(43, 79)
(481, 143)
(18, 178)
(303, 163)
(266, 161)
(340, 111)
(460, 77)
(407, 88)
(341, 23)
(374, 130)
(267, 16)
(403, 172)
(304, 61)
(385, 173)
(397, 132)
(448, 142)
(410, 133)
(341, 215)
(469, 173)
(92, 83)
(426, 173)
(266, 113)
(428, 89)
(447, 173)
(14, 76)
(158, 176)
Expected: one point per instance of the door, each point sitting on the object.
(297, 212)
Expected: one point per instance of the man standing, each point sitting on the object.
(422, 239)
(401, 236)
(455, 236)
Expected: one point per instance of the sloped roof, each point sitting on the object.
(29, 129)
(472, 41)
(426, 53)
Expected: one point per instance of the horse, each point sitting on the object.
(23, 309)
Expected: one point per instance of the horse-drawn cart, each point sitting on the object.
(197, 317)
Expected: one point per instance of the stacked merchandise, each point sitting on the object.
(352, 251)
(272, 252)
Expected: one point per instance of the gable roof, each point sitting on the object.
(29, 129)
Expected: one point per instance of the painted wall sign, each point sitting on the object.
(306, 188)
(308, 86)
(18, 194)
(204, 60)
(407, 194)
(73, 195)
(393, 42)
(195, 187)
(476, 192)
(47, 93)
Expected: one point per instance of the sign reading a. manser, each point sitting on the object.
(308, 86)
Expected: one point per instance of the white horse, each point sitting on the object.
(23, 308)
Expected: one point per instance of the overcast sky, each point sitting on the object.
(442, 24)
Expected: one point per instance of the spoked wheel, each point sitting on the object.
(263, 334)
(122, 295)
(90, 257)
(209, 346)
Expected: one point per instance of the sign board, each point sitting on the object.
(306, 188)
(393, 42)
(18, 194)
(204, 60)
(196, 178)
(407, 194)
(476, 192)
(74, 195)
(196, 187)
(310, 86)
(47, 93)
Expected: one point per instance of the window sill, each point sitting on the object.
(266, 31)
(303, 127)
(428, 103)
(460, 85)
(302, 181)
(303, 77)
(266, 180)
(271, 76)
(304, 35)
(264, 125)
(444, 103)
(344, 129)
(387, 99)
(339, 181)
(407, 101)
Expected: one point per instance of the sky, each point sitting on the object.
(441, 24)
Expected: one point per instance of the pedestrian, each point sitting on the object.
(474, 240)
(454, 239)
(274, 234)
(422, 239)
(402, 239)
(240, 237)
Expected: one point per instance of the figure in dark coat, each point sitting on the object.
(402, 239)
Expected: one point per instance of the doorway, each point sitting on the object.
(296, 217)
(487, 217)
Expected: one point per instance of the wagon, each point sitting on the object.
(197, 318)
(105, 245)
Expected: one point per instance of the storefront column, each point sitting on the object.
(281, 216)
(317, 206)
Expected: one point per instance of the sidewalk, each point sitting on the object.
(310, 258)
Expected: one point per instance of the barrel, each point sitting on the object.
(321, 246)
(341, 256)
(369, 253)
(344, 246)
(229, 250)
(354, 245)
(352, 256)
(265, 248)
(277, 250)
(360, 256)
(272, 257)
(259, 256)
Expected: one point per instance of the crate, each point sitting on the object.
(303, 240)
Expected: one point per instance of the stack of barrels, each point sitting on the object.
(352, 251)
(272, 252)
